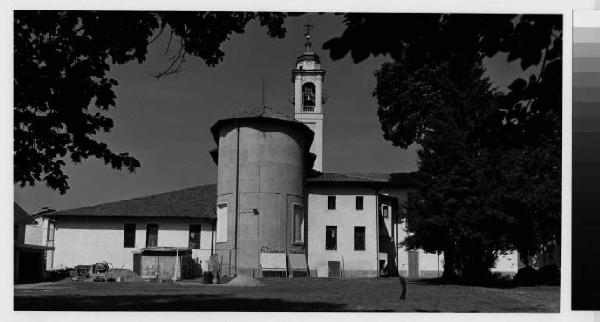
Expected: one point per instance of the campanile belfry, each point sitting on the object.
(308, 95)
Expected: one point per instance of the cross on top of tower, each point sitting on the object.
(308, 26)
(308, 44)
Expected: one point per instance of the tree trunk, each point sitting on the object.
(449, 274)
(524, 256)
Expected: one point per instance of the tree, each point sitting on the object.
(61, 87)
(489, 163)
(441, 110)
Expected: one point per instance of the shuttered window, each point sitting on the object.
(151, 235)
(298, 223)
(331, 237)
(385, 210)
(359, 238)
(331, 202)
(194, 237)
(128, 235)
(359, 202)
(222, 223)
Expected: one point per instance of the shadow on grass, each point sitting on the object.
(499, 283)
(166, 303)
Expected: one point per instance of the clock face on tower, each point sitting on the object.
(308, 96)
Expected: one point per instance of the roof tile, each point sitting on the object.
(195, 202)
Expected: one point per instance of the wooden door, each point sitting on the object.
(413, 263)
(334, 268)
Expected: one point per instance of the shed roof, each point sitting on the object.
(400, 178)
(166, 251)
(195, 202)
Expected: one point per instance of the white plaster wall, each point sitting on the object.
(37, 234)
(345, 217)
(314, 120)
(315, 123)
(89, 240)
(34, 234)
(431, 263)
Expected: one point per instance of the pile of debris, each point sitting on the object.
(244, 281)
(99, 272)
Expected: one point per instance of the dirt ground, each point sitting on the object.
(280, 294)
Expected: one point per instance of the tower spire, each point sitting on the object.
(308, 43)
(308, 95)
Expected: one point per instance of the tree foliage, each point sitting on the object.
(489, 162)
(61, 87)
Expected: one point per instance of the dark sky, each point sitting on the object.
(165, 123)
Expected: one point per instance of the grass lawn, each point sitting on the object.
(309, 294)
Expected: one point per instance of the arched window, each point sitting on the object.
(308, 97)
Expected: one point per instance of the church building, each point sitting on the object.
(274, 211)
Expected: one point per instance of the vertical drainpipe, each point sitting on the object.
(377, 228)
(305, 214)
(260, 162)
(212, 235)
(396, 237)
(237, 199)
(287, 210)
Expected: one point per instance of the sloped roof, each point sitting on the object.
(400, 178)
(21, 216)
(309, 55)
(195, 202)
(264, 114)
(261, 113)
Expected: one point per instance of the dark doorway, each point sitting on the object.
(30, 266)
(137, 263)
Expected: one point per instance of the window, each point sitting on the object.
(298, 224)
(385, 211)
(359, 202)
(194, 237)
(50, 235)
(308, 97)
(128, 235)
(359, 238)
(331, 238)
(331, 202)
(151, 235)
(222, 223)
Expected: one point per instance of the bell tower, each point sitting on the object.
(308, 95)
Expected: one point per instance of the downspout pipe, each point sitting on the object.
(305, 228)
(377, 190)
(212, 236)
(237, 198)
